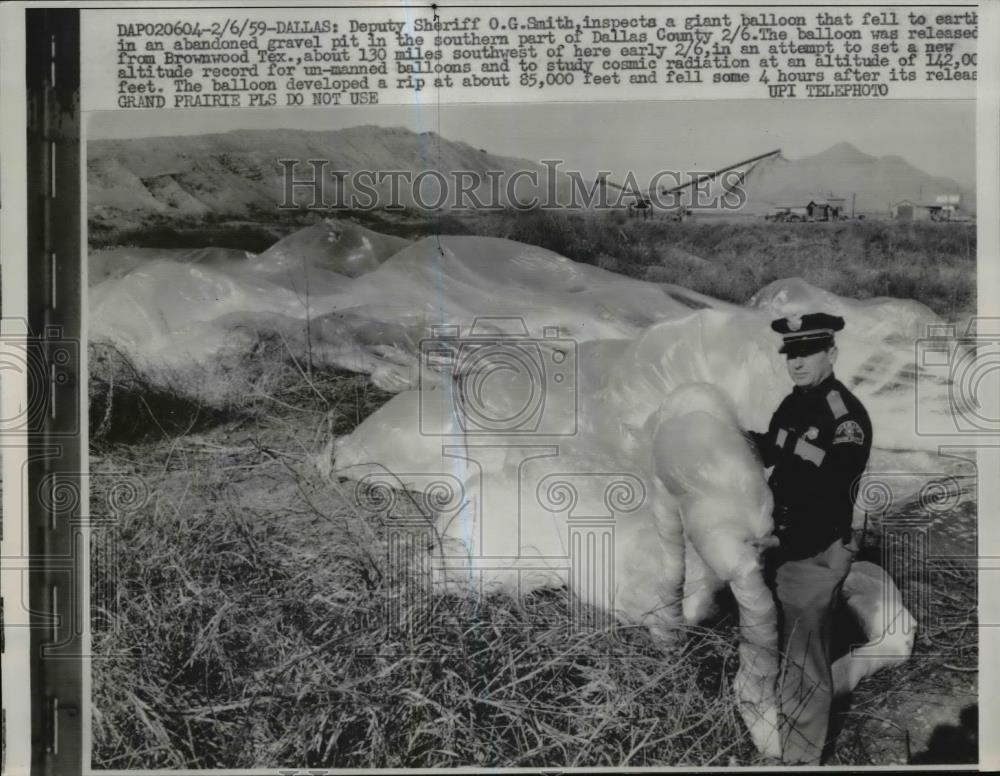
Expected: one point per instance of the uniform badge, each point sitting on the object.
(849, 433)
(811, 433)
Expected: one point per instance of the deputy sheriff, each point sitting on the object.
(818, 443)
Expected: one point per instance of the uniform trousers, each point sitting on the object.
(807, 591)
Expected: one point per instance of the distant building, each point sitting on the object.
(946, 207)
(826, 209)
(908, 210)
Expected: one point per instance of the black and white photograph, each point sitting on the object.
(508, 388)
(493, 449)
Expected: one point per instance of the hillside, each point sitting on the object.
(238, 174)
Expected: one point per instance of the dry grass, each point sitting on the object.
(252, 382)
(250, 629)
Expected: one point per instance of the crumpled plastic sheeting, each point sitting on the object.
(701, 455)
(524, 499)
(872, 596)
(528, 509)
(337, 246)
(164, 313)
(172, 314)
(882, 318)
(109, 263)
(737, 351)
(458, 279)
(687, 477)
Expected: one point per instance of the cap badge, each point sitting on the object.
(794, 322)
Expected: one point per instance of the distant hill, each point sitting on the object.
(237, 174)
(843, 171)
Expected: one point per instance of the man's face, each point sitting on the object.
(810, 370)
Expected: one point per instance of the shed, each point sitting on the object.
(908, 210)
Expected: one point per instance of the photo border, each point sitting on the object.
(62, 681)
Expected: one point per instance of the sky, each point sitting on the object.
(937, 136)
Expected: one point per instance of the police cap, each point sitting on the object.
(802, 335)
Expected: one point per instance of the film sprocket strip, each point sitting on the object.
(51, 364)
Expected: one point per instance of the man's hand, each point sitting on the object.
(765, 543)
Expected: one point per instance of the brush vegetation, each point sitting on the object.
(931, 262)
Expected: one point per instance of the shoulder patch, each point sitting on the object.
(849, 433)
(836, 403)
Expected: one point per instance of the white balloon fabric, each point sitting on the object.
(341, 247)
(642, 339)
(873, 598)
(700, 453)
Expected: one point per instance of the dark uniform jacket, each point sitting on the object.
(818, 443)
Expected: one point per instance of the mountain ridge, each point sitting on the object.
(238, 174)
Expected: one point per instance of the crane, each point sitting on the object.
(643, 200)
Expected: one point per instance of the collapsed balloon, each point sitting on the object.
(551, 450)
(372, 301)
